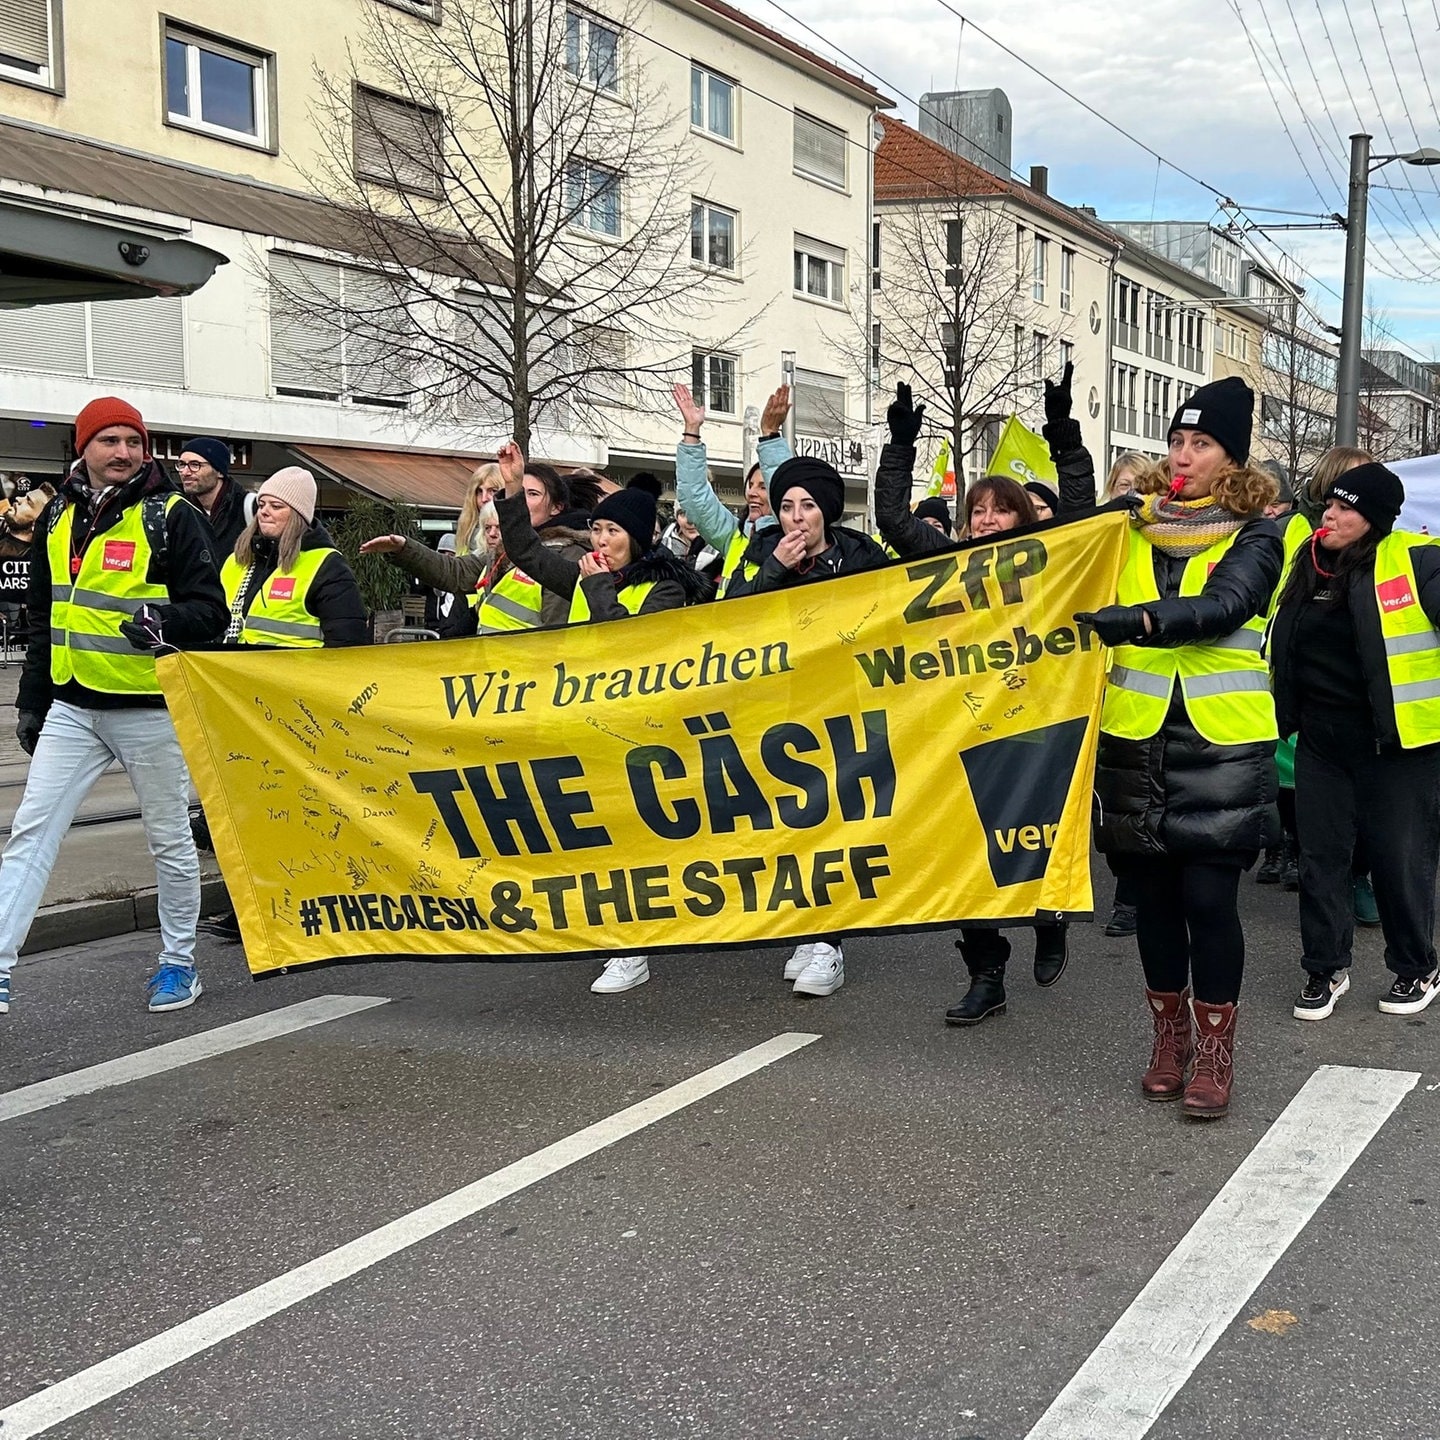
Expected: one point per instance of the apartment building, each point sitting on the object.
(1397, 405)
(220, 128)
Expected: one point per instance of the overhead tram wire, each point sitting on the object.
(1402, 90)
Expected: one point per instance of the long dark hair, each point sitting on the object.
(1304, 579)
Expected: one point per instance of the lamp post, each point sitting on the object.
(1352, 318)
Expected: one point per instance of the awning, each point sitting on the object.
(429, 482)
(49, 258)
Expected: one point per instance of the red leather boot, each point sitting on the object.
(1207, 1096)
(1165, 1079)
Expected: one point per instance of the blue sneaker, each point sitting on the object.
(173, 987)
(5, 993)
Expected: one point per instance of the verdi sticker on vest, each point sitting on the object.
(1395, 594)
(282, 587)
(119, 555)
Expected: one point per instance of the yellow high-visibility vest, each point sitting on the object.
(632, 597)
(278, 614)
(1412, 644)
(1225, 683)
(511, 603)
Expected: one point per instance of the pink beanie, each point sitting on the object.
(296, 487)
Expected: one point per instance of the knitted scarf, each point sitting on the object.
(1184, 527)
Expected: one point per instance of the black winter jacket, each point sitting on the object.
(194, 615)
(1365, 614)
(1177, 793)
(227, 520)
(333, 598)
(849, 550)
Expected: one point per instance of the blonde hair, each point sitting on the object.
(288, 544)
(1332, 465)
(468, 526)
(1129, 460)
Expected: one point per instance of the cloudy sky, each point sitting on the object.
(1256, 98)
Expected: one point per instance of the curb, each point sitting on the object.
(85, 920)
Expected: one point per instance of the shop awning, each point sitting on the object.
(50, 258)
(429, 482)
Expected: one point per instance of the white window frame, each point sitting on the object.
(580, 220)
(702, 388)
(261, 65)
(1067, 279)
(809, 250)
(1039, 355)
(425, 9)
(1067, 354)
(801, 119)
(48, 74)
(1039, 268)
(704, 262)
(704, 126)
(588, 22)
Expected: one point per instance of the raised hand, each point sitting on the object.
(691, 414)
(777, 407)
(1058, 399)
(904, 417)
(383, 545)
(512, 466)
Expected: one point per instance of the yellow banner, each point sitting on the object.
(900, 748)
(1022, 455)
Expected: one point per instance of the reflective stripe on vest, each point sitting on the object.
(1412, 644)
(632, 597)
(1225, 682)
(85, 616)
(512, 603)
(278, 614)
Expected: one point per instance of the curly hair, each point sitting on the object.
(1007, 494)
(1241, 489)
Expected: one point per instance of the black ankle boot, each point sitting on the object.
(1270, 867)
(1290, 865)
(985, 997)
(1052, 951)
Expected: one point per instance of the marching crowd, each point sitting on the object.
(1273, 692)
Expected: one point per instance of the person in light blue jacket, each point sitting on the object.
(696, 496)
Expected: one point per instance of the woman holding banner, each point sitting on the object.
(993, 506)
(1185, 787)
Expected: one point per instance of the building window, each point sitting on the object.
(1018, 355)
(1040, 268)
(1067, 354)
(712, 235)
(1019, 253)
(140, 342)
(819, 270)
(875, 347)
(712, 102)
(1067, 279)
(592, 51)
(217, 88)
(592, 197)
(27, 42)
(875, 255)
(1127, 315)
(1039, 352)
(397, 143)
(712, 382)
(951, 343)
(819, 404)
(954, 253)
(601, 354)
(819, 150)
(427, 9)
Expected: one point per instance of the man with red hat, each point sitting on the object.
(121, 566)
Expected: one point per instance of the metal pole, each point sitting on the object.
(1352, 316)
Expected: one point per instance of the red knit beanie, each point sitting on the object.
(100, 414)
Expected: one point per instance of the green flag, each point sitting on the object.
(1022, 455)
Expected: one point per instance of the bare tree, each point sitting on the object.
(521, 185)
(1298, 405)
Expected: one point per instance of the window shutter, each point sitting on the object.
(376, 367)
(44, 337)
(601, 353)
(819, 150)
(396, 143)
(306, 333)
(139, 340)
(819, 404)
(25, 31)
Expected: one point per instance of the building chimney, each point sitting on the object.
(1040, 179)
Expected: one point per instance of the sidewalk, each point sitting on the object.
(104, 880)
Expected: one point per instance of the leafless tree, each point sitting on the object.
(1298, 404)
(519, 180)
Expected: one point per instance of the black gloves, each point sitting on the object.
(27, 730)
(144, 632)
(904, 417)
(1116, 624)
(1057, 397)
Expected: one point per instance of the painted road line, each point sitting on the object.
(1153, 1349)
(67, 1398)
(175, 1053)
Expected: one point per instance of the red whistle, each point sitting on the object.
(1176, 486)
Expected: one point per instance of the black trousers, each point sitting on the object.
(982, 947)
(1187, 925)
(1346, 788)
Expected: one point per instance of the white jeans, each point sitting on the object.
(75, 747)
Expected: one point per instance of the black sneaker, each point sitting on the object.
(225, 928)
(1122, 922)
(1319, 994)
(1410, 994)
(1269, 871)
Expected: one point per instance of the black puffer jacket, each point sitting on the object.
(676, 583)
(1365, 614)
(849, 550)
(1178, 793)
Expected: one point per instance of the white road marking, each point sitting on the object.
(1153, 1349)
(73, 1396)
(175, 1053)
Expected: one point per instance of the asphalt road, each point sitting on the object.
(898, 1230)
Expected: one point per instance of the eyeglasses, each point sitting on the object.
(191, 464)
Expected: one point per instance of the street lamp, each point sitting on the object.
(1352, 315)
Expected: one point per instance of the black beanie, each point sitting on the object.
(821, 481)
(1377, 493)
(633, 511)
(1223, 410)
(934, 507)
(216, 453)
(647, 482)
(1045, 492)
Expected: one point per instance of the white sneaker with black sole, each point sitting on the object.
(622, 973)
(1319, 994)
(825, 973)
(1409, 995)
(795, 965)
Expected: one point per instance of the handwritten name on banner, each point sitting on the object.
(905, 747)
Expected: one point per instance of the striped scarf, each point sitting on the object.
(1184, 527)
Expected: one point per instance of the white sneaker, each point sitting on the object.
(622, 973)
(795, 965)
(825, 973)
